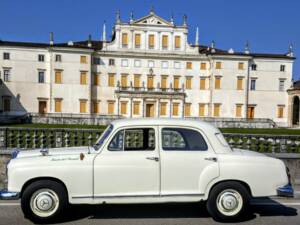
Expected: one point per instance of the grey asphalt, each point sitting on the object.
(265, 211)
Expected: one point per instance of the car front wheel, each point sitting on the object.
(43, 201)
(228, 201)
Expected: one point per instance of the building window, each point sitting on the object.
(82, 106)
(111, 62)
(96, 79)
(96, 61)
(253, 84)
(137, 40)
(250, 112)
(124, 40)
(151, 41)
(96, 106)
(217, 109)
(136, 108)
(177, 65)
(164, 64)
(281, 85)
(6, 104)
(163, 109)
(6, 56)
(201, 109)
(124, 80)
(110, 107)
(150, 84)
(202, 83)
(241, 66)
(137, 81)
(203, 66)
(176, 82)
(41, 77)
(217, 82)
(175, 110)
(57, 105)
(83, 77)
(280, 111)
(83, 59)
(123, 108)
(282, 68)
(124, 62)
(163, 81)
(188, 82)
(238, 110)
(239, 84)
(57, 58)
(151, 64)
(187, 109)
(41, 58)
(189, 65)
(58, 77)
(218, 65)
(177, 42)
(165, 41)
(111, 80)
(254, 67)
(6, 75)
(137, 63)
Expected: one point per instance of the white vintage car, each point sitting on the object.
(146, 161)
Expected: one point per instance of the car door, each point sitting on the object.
(128, 164)
(188, 162)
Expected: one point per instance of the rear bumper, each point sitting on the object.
(7, 195)
(285, 191)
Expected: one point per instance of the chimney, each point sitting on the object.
(51, 38)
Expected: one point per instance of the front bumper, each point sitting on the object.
(7, 195)
(285, 191)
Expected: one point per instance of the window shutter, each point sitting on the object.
(96, 107)
(203, 66)
(96, 79)
(240, 84)
(218, 65)
(217, 82)
(124, 80)
(151, 41)
(164, 81)
(136, 108)
(176, 82)
(188, 83)
(202, 83)
(57, 105)
(177, 41)
(124, 39)
(187, 109)
(123, 108)
(111, 80)
(175, 109)
(201, 109)
(137, 40)
(189, 65)
(216, 110)
(83, 59)
(111, 107)
(137, 81)
(82, 106)
(83, 78)
(238, 111)
(163, 108)
(165, 41)
(58, 77)
(150, 82)
(280, 111)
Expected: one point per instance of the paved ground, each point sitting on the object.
(265, 211)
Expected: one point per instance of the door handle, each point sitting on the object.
(214, 159)
(156, 159)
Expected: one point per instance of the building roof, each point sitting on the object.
(97, 46)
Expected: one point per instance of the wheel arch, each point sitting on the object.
(32, 180)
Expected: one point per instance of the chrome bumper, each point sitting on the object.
(7, 195)
(286, 191)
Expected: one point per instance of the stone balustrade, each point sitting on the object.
(31, 138)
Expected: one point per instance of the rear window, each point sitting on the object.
(182, 139)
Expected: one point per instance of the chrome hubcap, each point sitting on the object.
(44, 202)
(229, 202)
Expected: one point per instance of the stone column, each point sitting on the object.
(170, 108)
(131, 107)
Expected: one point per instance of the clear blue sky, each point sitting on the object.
(269, 25)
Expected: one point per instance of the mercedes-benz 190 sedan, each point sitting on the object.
(146, 161)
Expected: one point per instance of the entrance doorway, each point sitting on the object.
(149, 110)
(250, 112)
(296, 110)
(42, 107)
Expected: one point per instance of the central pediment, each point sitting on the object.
(152, 19)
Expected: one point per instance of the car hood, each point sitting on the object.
(54, 152)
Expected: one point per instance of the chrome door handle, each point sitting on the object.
(214, 159)
(153, 158)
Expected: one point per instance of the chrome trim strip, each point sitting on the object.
(141, 196)
(7, 195)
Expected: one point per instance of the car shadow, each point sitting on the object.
(155, 211)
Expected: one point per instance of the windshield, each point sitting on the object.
(103, 136)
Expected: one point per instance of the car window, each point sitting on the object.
(139, 139)
(182, 139)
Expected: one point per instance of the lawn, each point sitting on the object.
(278, 131)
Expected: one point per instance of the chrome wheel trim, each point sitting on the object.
(229, 202)
(44, 202)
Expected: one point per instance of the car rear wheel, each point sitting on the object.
(228, 201)
(43, 201)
